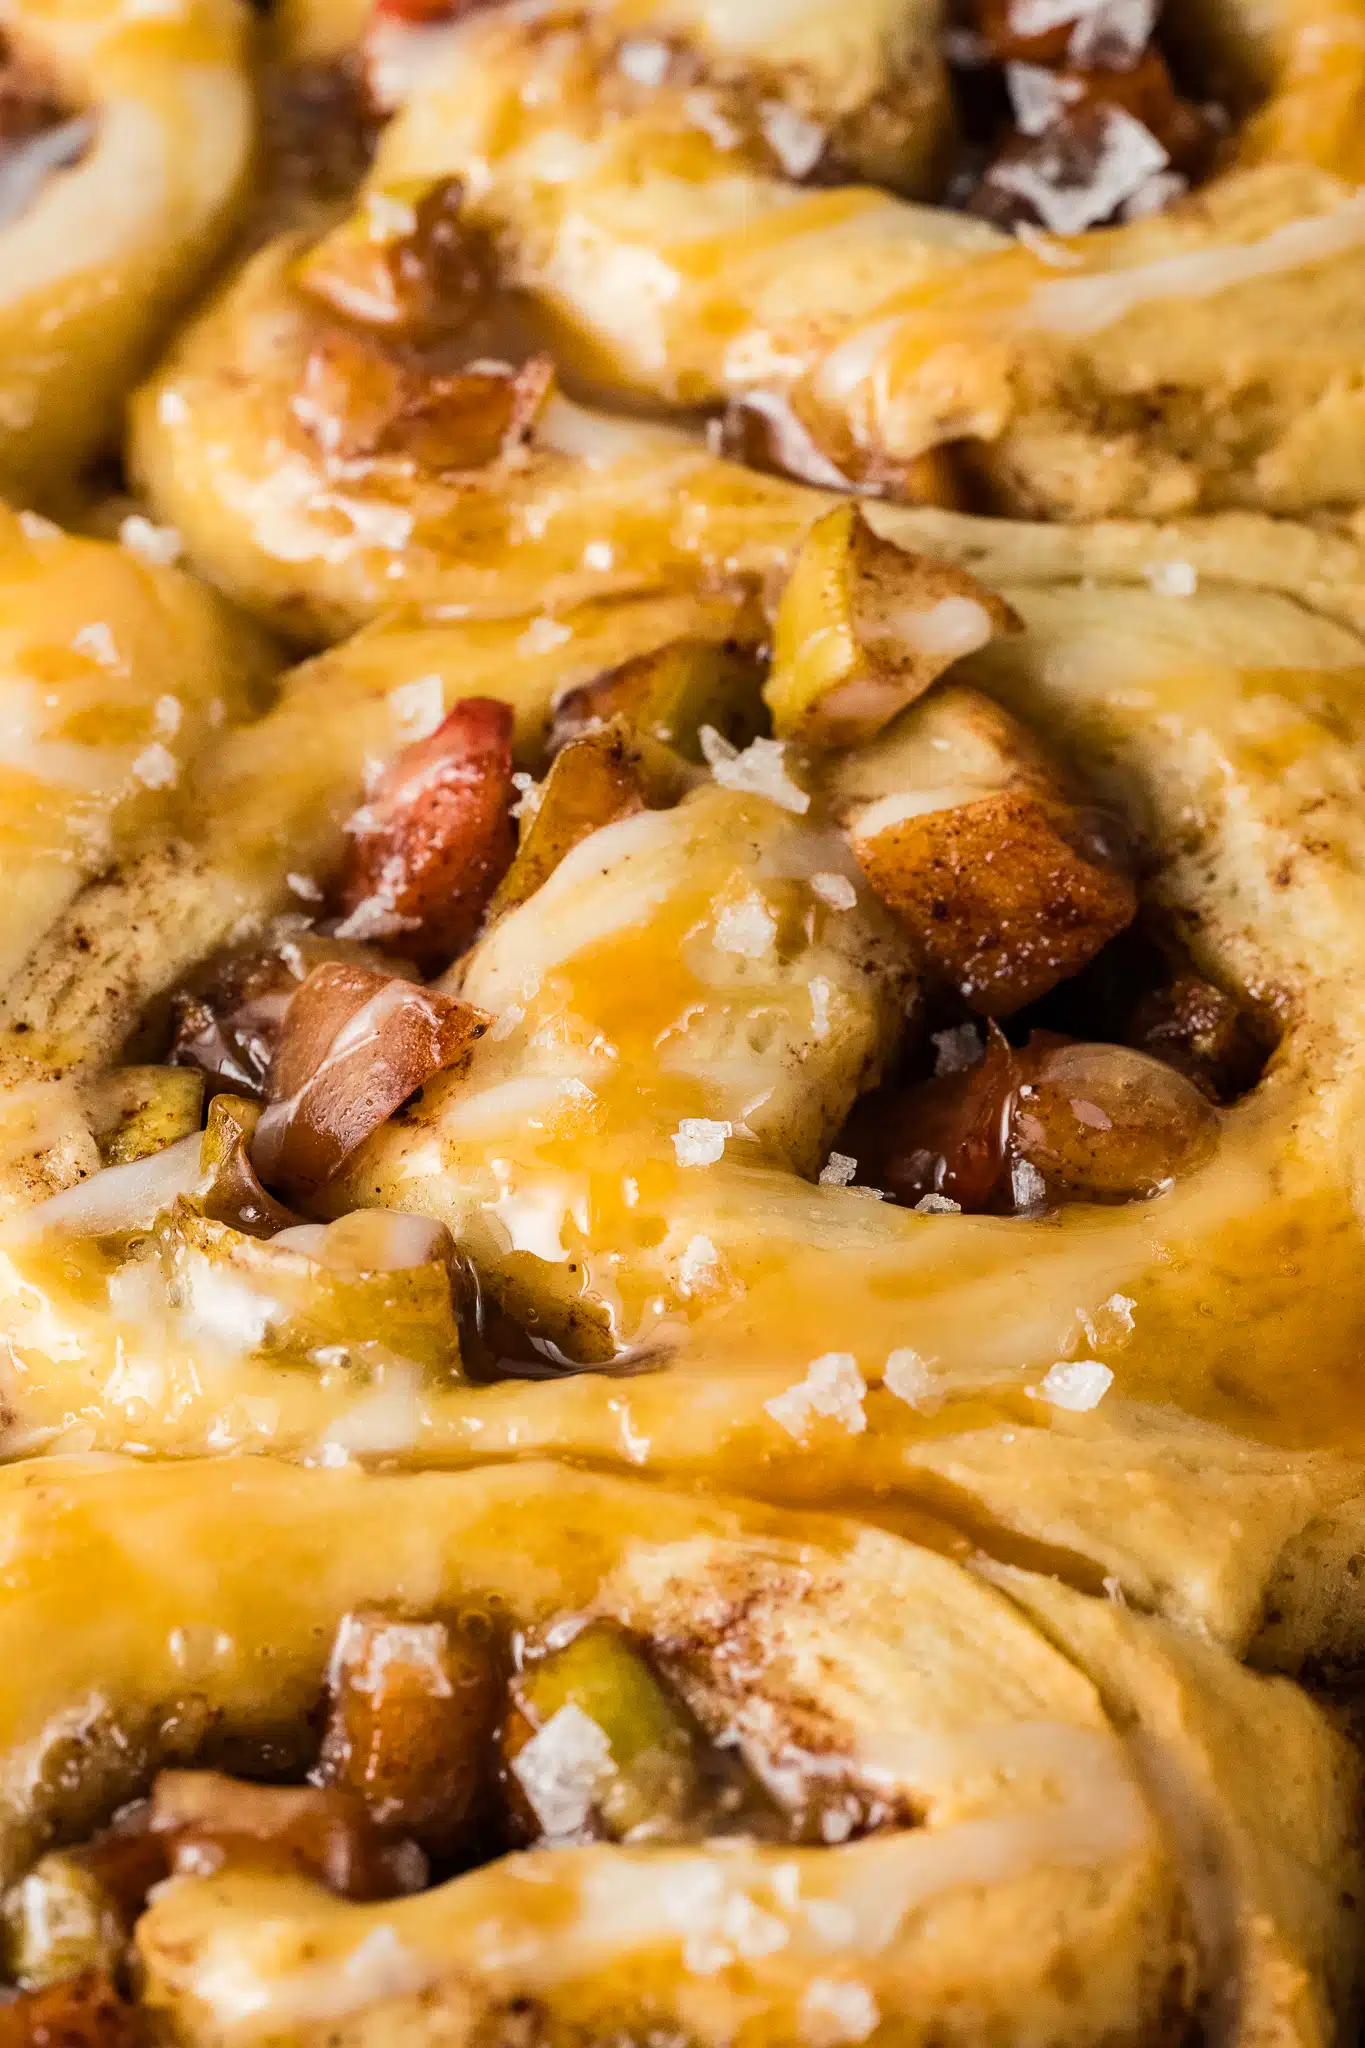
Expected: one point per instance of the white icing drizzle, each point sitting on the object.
(1086, 305)
(122, 1197)
(26, 169)
(1083, 1809)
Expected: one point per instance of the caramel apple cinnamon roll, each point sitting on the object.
(702, 1766)
(680, 1225)
(1053, 318)
(370, 421)
(118, 672)
(910, 1109)
(125, 139)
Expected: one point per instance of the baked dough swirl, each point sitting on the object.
(1223, 723)
(1070, 1781)
(694, 1202)
(291, 504)
(1085, 375)
(102, 237)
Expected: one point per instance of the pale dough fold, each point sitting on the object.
(95, 265)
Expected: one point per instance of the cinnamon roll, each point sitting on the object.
(1060, 342)
(703, 1766)
(125, 142)
(730, 991)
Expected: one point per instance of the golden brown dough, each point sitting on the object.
(984, 1544)
(1189, 1516)
(1088, 375)
(1080, 1805)
(98, 250)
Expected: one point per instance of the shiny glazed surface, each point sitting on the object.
(997, 1522)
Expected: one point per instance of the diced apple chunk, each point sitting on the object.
(411, 1727)
(967, 834)
(864, 627)
(212, 1820)
(604, 774)
(669, 694)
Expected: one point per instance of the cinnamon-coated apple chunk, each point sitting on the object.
(965, 831)
(865, 626)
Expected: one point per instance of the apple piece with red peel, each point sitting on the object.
(946, 1136)
(355, 1045)
(428, 850)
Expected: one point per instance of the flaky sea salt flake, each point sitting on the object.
(156, 767)
(1038, 96)
(560, 1768)
(796, 142)
(838, 1170)
(835, 890)
(1172, 579)
(704, 111)
(389, 217)
(529, 795)
(909, 1376)
(750, 1931)
(417, 707)
(700, 1140)
(97, 641)
(160, 546)
(1078, 1384)
(543, 635)
(644, 59)
(761, 770)
(1111, 1323)
(833, 1386)
(699, 1266)
(747, 928)
(835, 2010)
